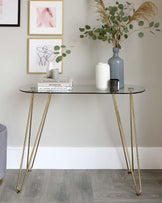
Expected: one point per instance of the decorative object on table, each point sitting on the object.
(3, 151)
(55, 73)
(118, 22)
(117, 67)
(41, 52)
(61, 84)
(102, 76)
(60, 52)
(49, 70)
(10, 13)
(114, 85)
(46, 17)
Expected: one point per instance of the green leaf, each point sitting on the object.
(115, 8)
(134, 10)
(157, 25)
(104, 39)
(57, 48)
(94, 37)
(63, 46)
(81, 36)
(121, 13)
(151, 24)
(87, 27)
(126, 30)
(120, 6)
(112, 13)
(131, 26)
(109, 41)
(125, 18)
(64, 55)
(158, 30)
(117, 2)
(128, 3)
(68, 51)
(119, 46)
(90, 33)
(86, 32)
(110, 8)
(141, 34)
(58, 59)
(141, 23)
(81, 29)
(125, 36)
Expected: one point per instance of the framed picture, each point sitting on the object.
(10, 13)
(41, 52)
(46, 17)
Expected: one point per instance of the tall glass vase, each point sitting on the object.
(117, 67)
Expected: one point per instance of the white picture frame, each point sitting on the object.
(46, 17)
(41, 52)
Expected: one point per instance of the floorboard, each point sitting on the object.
(82, 186)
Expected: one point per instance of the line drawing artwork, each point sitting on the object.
(1, 7)
(45, 55)
(46, 17)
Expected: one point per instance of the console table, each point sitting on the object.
(81, 89)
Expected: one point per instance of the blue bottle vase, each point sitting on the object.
(117, 67)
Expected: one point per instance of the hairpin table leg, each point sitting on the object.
(1, 181)
(123, 139)
(31, 158)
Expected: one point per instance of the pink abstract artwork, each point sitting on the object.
(1, 6)
(46, 17)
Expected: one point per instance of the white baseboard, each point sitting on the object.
(85, 158)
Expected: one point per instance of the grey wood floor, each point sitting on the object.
(82, 186)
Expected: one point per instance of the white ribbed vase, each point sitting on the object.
(102, 76)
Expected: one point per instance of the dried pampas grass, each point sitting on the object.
(148, 10)
(101, 9)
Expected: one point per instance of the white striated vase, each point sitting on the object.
(102, 76)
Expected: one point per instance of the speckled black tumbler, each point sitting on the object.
(114, 85)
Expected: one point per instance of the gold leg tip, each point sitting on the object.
(29, 170)
(139, 193)
(18, 190)
(129, 172)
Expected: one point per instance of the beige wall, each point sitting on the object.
(79, 120)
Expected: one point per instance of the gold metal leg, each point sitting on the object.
(123, 139)
(31, 158)
(1, 181)
(131, 130)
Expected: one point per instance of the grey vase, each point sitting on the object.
(117, 67)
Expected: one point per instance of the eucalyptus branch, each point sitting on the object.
(61, 52)
(138, 30)
(118, 22)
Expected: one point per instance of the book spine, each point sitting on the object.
(54, 88)
(54, 85)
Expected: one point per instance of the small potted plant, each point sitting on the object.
(60, 52)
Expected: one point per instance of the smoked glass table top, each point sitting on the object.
(84, 89)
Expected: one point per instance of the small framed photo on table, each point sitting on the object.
(41, 52)
(10, 13)
(46, 17)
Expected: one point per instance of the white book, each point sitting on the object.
(61, 82)
(54, 89)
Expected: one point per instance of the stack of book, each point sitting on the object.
(51, 85)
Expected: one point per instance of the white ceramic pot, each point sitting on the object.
(102, 76)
